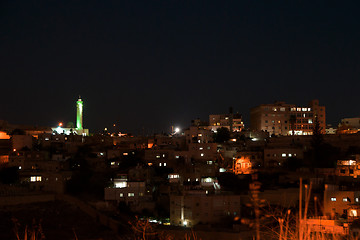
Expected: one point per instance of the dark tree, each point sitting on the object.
(322, 155)
(9, 175)
(317, 137)
(222, 135)
(292, 123)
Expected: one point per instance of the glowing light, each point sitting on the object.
(60, 124)
(14, 149)
(79, 114)
(177, 130)
(185, 223)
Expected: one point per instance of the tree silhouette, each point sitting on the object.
(222, 135)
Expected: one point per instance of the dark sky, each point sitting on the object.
(152, 64)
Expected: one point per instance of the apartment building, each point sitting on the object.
(231, 121)
(196, 207)
(281, 118)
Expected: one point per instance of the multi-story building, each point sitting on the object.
(281, 118)
(341, 202)
(196, 207)
(349, 168)
(352, 122)
(231, 121)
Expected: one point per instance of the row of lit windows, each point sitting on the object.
(131, 194)
(284, 155)
(35, 179)
(345, 199)
(293, 109)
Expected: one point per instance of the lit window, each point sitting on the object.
(209, 162)
(164, 164)
(47, 139)
(310, 121)
(353, 213)
(141, 194)
(345, 199)
(157, 156)
(159, 164)
(283, 155)
(131, 194)
(200, 135)
(125, 154)
(19, 167)
(177, 156)
(201, 148)
(163, 155)
(356, 199)
(208, 148)
(32, 179)
(289, 154)
(333, 199)
(120, 184)
(121, 195)
(202, 154)
(112, 163)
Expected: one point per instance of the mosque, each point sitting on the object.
(78, 130)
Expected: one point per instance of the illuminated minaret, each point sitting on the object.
(79, 114)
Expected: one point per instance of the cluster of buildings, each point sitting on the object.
(188, 176)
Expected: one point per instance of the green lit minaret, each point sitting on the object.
(79, 114)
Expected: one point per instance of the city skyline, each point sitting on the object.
(149, 66)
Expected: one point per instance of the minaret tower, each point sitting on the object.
(79, 114)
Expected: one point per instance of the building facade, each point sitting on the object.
(281, 118)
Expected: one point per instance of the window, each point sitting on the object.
(131, 194)
(164, 164)
(35, 179)
(121, 195)
(333, 199)
(202, 154)
(283, 155)
(345, 199)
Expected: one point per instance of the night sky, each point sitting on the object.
(147, 65)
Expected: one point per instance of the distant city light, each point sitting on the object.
(177, 130)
